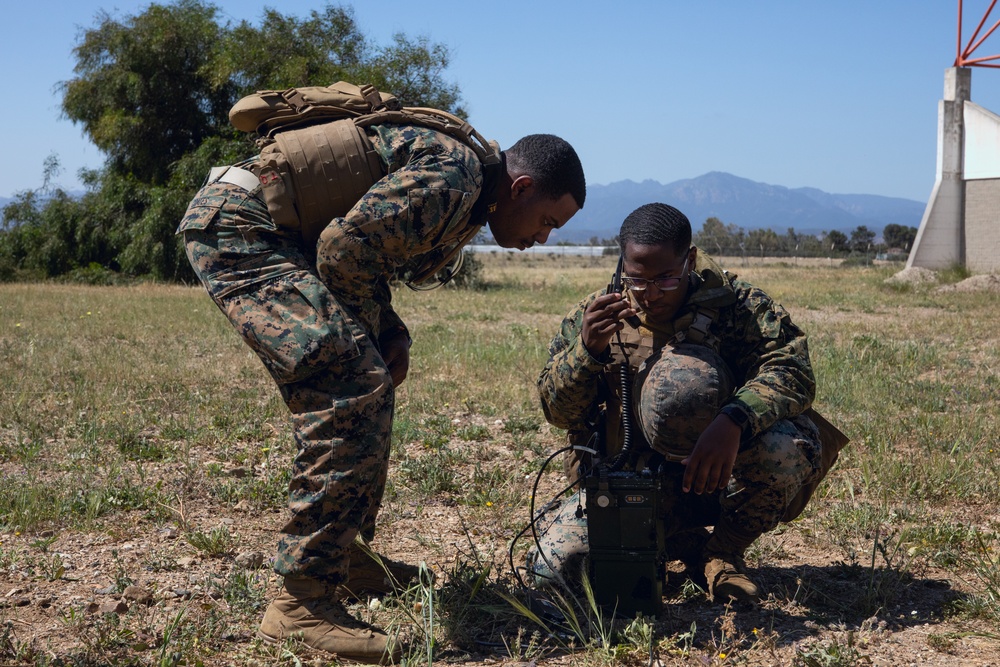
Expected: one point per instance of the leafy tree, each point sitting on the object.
(144, 89)
(899, 236)
(809, 246)
(861, 239)
(836, 241)
(153, 92)
(765, 241)
(719, 238)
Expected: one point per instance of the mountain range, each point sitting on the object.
(741, 202)
(737, 201)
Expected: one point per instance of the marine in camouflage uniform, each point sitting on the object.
(321, 320)
(722, 361)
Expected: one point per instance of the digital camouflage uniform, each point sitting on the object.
(763, 361)
(315, 315)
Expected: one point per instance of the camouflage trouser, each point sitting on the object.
(324, 361)
(766, 476)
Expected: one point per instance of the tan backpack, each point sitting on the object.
(316, 162)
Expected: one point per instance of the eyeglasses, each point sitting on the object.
(662, 284)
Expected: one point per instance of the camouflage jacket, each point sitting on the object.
(423, 206)
(417, 213)
(767, 354)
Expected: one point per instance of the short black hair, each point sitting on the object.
(656, 224)
(552, 164)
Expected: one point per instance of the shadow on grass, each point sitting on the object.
(479, 619)
(806, 600)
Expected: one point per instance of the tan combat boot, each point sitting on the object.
(727, 579)
(304, 610)
(725, 570)
(372, 574)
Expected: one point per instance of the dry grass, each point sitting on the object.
(142, 444)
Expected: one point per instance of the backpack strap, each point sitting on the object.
(698, 331)
(442, 121)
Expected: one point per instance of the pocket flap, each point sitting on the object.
(201, 212)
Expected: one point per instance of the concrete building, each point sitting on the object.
(961, 224)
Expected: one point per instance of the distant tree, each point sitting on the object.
(899, 236)
(153, 92)
(861, 239)
(764, 241)
(835, 241)
(719, 238)
(809, 246)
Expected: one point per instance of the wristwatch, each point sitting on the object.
(739, 417)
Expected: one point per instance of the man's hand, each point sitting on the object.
(396, 355)
(710, 464)
(602, 319)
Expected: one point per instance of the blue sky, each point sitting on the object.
(840, 96)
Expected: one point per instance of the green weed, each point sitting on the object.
(215, 543)
(832, 653)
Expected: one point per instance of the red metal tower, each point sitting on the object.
(964, 57)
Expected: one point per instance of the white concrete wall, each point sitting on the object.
(982, 143)
(940, 240)
(982, 189)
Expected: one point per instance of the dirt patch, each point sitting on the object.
(63, 591)
(984, 283)
(913, 275)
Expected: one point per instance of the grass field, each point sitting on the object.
(144, 455)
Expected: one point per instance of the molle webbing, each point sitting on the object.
(638, 345)
(315, 174)
(316, 161)
(692, 327)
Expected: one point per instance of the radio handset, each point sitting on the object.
(615, 286)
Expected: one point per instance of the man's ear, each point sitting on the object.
(522, 185)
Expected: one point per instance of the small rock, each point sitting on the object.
(138, 594)
(250, 560)
(110, 590)
(117, 607)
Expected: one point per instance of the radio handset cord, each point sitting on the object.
(624, 377)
